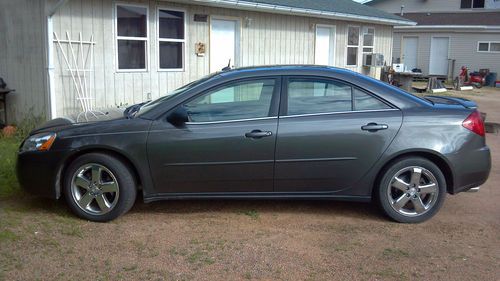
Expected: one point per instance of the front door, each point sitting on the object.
(410, 48)
(439, 56)
(324, 53)
(227, 146)
(224, 43)
(330, 135)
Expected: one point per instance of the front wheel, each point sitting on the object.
(99, 187)
(412, 190)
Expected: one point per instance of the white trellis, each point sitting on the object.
(81, 71)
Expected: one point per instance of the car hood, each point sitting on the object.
(60, 123)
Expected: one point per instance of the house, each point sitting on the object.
(449, 34)
(67, 56)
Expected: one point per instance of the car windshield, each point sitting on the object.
(152, 104)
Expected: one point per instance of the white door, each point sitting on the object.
(224, 43)
(324, 53)
(439, 56)
(410, 48)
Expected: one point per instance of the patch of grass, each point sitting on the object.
(395, 253)
(387, 273)
(8, 154)
(252, 214)
(200, 257)
(7, 235)
(130, 268)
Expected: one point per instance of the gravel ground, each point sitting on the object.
(258, 240)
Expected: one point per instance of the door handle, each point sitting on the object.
(258, 134)
(373, 127)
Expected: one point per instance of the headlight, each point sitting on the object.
(38, 142)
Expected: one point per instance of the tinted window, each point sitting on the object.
(364, 101)
(309, 97)
(242, 100)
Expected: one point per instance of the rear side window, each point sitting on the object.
(307, 96)
(364, 101)
(241, 100)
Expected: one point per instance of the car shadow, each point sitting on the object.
(27, 203)
(358, 210)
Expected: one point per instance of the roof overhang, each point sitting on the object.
(277, 9)
(449, 28)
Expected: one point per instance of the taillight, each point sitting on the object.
(474, 123)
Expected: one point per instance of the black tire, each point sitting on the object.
(388, 175)
(126, 186)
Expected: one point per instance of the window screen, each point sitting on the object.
(171, 38)
(131, 26)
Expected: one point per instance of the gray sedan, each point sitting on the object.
(276, 132)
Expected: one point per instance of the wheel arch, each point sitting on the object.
(430, 155)
(104, 150)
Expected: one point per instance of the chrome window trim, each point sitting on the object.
(231, 121)
(338, 112)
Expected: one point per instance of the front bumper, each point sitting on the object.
(39, 173)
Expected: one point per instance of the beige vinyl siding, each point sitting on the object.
(463, 49)
(269, 39)
(22, 57)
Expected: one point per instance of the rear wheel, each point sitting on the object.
(412, 190)
(99, 187)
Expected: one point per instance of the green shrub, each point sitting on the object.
(8, 154)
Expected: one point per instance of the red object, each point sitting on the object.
(9, 131)
(477, 79)
(474, 123)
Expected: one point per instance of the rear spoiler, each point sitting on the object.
(453, 100)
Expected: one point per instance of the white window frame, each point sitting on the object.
(363, 37)
(145, 39)
(184, 41)
(352, 46)
(489, 47)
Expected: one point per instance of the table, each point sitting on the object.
(3, 99)
(405, 79)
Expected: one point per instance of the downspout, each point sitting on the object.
(50, 58)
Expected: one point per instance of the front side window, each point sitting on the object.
(352, 46)
(132, 37)
(237, 101)
(306, 96)
(171, 39)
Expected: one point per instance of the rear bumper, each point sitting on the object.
(39, 173)
(470, 169)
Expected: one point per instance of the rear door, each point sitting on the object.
(227, 146)
(330, 134)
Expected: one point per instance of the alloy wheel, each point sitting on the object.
(95, 189)
(413, 191)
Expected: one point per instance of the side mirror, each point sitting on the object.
(178, 117)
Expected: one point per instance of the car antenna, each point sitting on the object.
(228, 67)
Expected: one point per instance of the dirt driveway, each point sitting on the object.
(264, 240)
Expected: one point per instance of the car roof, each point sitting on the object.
(285, 69)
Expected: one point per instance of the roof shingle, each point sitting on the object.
(334, 6)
